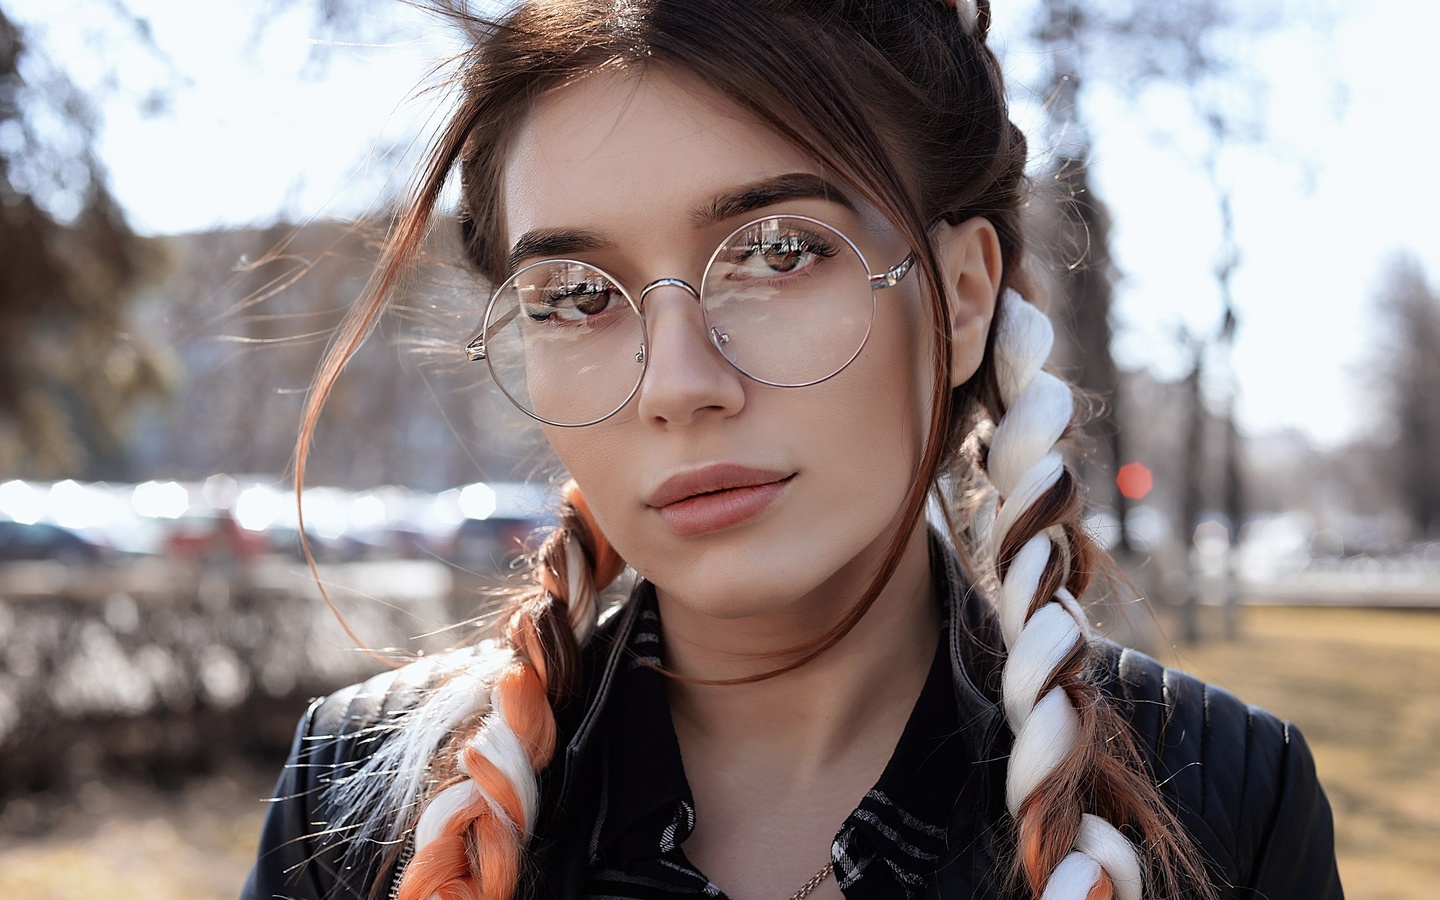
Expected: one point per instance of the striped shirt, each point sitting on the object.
(887, 848)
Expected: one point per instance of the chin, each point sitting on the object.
(728, 596)
(780, 578)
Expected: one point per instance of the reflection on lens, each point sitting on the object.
(788, 300)
(564, 342)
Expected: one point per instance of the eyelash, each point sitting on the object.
(755, 243)
(569, 297)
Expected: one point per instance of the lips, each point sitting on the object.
(716, 497)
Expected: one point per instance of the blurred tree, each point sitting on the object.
(71, 369)
(1411, 380)
(1075, 226)
(68, 375)
(1186, 59)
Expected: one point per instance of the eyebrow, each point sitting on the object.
(760, 194)
(551, 243)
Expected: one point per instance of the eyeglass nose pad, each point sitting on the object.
(721, 340)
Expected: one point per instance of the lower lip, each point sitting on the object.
(705, 513)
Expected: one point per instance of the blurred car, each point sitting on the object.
(502, 521)
(285, 539)
(42, 540)
(210, 535)
(493, 543)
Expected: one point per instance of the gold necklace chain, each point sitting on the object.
(814, 882)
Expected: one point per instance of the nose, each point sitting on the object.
(686, 378)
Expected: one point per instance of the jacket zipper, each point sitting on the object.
(406, 854)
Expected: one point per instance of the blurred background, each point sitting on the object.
(1237, 245)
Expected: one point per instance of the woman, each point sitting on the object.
(758, 271)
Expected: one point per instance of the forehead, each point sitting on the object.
(617, 150)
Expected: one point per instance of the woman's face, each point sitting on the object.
(734, 498)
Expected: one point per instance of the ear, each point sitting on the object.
(970, 271)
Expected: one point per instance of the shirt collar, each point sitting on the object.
(898, 832)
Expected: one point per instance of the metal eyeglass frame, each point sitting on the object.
(475, 348)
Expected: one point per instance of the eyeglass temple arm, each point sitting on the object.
(893, 276)
(475, 350)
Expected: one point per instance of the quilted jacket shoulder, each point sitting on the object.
(302, 855)
(1242, 781)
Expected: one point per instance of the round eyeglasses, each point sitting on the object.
(788, 300)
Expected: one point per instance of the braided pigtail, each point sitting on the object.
(1073, 778)
(471, 833)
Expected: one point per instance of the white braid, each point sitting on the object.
(969, 13)
(1033, 484)
(1048, 637)
(495, 739)
(1023, 464)
(1072, 878)
(1020, 585)
(395, 776)
(584, 611)
(497, 742)
(1029, 431)
(1100, 841)
(443, 807)
(1045, 737)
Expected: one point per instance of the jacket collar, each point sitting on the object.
(973, 638)
(973, 632)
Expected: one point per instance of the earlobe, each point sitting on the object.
(971, 270)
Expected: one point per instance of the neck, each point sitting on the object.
(840, 709)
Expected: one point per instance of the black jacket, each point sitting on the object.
(1241, 781)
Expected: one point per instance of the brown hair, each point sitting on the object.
(909, 108)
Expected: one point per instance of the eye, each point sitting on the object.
(572, 296)
(777, 248)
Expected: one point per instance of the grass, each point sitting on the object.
(130, 842)
(1363, 685)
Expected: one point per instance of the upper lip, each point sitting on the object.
(708, 479)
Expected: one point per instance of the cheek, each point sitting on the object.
(910, 358)
(608, 461)
(871, 420)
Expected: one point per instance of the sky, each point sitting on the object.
(256, 128)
